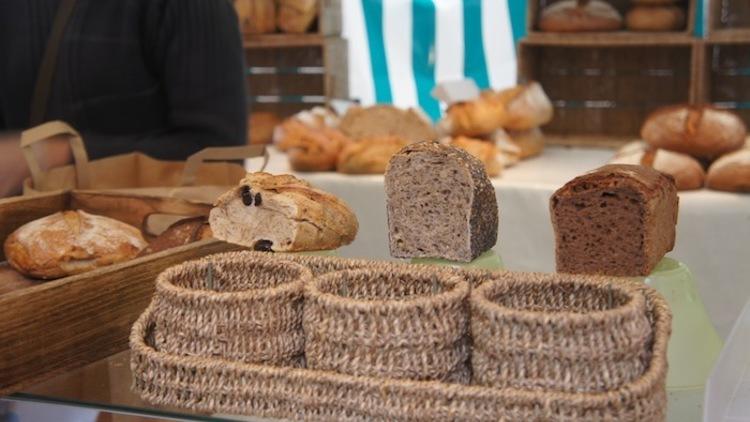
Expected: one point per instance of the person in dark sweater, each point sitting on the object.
(164, 77)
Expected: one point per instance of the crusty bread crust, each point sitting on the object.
(386, 120)
(70, 242)
(686, 170)
(731, 172)
(484, 151)
(568, 16)
(369, 156)
(527, 107)
(655, 18)
(701, 131)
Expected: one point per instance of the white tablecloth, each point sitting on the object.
(713, 232)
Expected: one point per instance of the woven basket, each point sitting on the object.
(217, 385)
(399, 322)
(557, 332)
(247, 309)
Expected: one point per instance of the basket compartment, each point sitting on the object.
(399, 323)
(559, 333)
(247, 309)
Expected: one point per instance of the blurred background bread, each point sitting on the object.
(256, 16)
(296, 16)
(579, 16)
(655, 18)
(686, 170)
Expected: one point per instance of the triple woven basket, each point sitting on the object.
(385, 341)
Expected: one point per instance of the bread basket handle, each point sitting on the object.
(50, 130)
(219, 154)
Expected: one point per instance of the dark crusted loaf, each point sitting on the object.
(440, 203)
(617, 220)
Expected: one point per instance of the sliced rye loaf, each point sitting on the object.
(617, 220)
(440, 204)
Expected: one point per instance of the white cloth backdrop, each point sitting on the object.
(713, 232)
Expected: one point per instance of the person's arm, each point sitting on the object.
(13, 168)
(195, 47)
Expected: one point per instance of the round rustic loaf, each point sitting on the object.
(580, 16)
(731, 172)
(687, 172)
(655, 18)
(701, 131)
(71, 242)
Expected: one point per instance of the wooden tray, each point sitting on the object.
(55, 326)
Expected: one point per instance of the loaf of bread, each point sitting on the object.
(369, 156)
(385, 120)
(440, 204)
(484, 151)
(701, 131)
(70, 242)
(731, 172)
(282, 213)
(182, 232)
(526, 107)
(261, 126)
(256, 16)
(579, 16)
(530, 142)
(474, 118)
(618, 220)
(310, 148)
(655, 18)
(285, 135)
(510, 153)
(296, 16)
(687, 172)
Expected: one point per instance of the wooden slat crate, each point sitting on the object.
(726, 76)
(603, 93)
(535, 6)
(729, 20)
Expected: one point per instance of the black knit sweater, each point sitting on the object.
(165, 77)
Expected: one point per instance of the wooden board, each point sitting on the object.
(54, 326)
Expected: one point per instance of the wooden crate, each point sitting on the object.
(726, 76)
(535, 6)
(729, 20)
(602, 93)
(52, 327)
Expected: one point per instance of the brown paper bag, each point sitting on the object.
(136, 173)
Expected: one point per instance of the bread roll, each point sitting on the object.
(70, 242)
(530, 142)
(385, 120)
(474, 118)
(618, 220)
(484, 151)
(282, 213)
(686, 170)
(701, 131)
(731, 172)
(187, 230)
(256, 16)
(526, 107)
(296, 16)
(655, 18)
(580, 16)
(369, 156)
(440, 204)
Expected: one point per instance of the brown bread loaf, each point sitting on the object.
(526, 107)
(282, 213)
(181, 233)
(617, 220)
(655, 18)
(440, 204)
(731, 172)
(579, 16)
(71, 242)
(296, 16)
(701, 131)
(474, 118)
(369, 156)
(484, 151)
(686, 170)
(386, 120)
(256, 16)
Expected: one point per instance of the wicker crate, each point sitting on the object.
(726, 76)
(535, 6)
(603, 93)
(729, 20)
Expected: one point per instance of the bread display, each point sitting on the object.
(484, 151)
(655, 18)
(385, 120)
(369, 156)
(70, 242)
(526, 107)
(312, 149)
(474, 118)
(256, 16)
(731, 172)
(618, 220)
(440, 204)
(282, 213)
(701, 131)
(686, 170)
(296, 16)
(580, 16)
(187, 230)
(287, 133)
(530, 142)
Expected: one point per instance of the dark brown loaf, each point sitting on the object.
(617, 220)
(440, 204)
(701, 131)
(185, 231)
(579, 16)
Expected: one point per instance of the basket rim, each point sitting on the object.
(458, 291)
(481, 303)
(166, 288)
(644, 384)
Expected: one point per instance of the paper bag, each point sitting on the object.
(136, 173)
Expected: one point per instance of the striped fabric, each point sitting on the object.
(399, 49)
